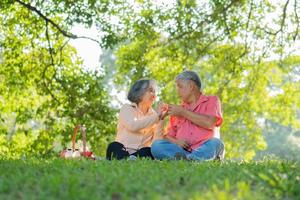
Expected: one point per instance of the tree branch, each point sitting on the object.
(50, 49)
(48, 65)
(56, 26)
(208, 20)
(284, 15)
(297, 21)
(282, 21)
(247, 23)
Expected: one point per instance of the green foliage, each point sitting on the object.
(244, 87)
(282, 142)
(45, 91)
(69, 179)
(212, 41)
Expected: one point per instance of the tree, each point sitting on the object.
(231, 51)
(239, 55)
(45, 91)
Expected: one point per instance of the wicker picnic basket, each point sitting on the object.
(75, 152)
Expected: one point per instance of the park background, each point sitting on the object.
(245, 51)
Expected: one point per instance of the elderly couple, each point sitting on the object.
(191, 130)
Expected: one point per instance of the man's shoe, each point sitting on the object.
(221, 156)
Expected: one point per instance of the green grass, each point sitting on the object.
(145, 179)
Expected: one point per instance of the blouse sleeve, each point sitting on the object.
(134, 124)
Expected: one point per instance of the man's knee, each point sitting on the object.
(219, 147)
(156, 147)
(216, 142)
(156, 144)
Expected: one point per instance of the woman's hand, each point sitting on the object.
(163, 110)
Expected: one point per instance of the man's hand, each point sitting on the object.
(201, 120)
(183, 143)
(175, 110)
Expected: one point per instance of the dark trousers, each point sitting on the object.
(116, 150)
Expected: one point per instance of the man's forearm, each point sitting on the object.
(204, 121)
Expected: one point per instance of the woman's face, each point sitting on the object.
(150, 95)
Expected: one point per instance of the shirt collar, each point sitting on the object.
(201, 99)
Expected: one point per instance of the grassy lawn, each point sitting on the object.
(145, 179)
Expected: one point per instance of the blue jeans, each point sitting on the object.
(212, 149)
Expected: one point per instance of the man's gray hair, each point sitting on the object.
(188, 75)
(138, 89)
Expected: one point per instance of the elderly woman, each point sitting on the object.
(138, 124)
(193, 124)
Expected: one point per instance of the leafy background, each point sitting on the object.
(245, 51)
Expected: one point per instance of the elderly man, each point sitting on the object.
(191, 128)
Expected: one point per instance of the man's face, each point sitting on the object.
(184, 89)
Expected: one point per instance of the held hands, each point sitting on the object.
(169, 109)
(162, 110)
(175, 110)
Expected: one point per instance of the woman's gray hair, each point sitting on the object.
(190, 76)
(138, 89)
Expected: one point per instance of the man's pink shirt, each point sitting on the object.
(195, 135)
